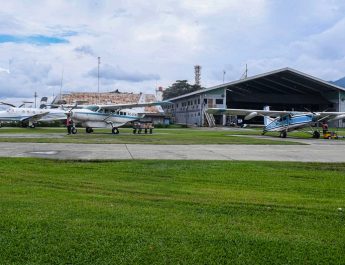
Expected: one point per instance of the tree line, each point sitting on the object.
(180, 87)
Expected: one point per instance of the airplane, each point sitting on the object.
(107, 116)
(283, 121)
(30, 116)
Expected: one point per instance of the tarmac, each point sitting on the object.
(312, 151)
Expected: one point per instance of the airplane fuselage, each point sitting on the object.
(20, 114)
(291, 122)
(103, 119)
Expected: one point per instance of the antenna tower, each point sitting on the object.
(197, 71)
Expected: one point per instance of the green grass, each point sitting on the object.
(160, 136)
(171, 212)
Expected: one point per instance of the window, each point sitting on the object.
(219, 101)
(198, 100)
(205, 100)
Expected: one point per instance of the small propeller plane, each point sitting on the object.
(30, 116)
(283, 121)
(107, 116)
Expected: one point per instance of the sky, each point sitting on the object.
(52, 45)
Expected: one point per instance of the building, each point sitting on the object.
(283, 89)
(153, 114)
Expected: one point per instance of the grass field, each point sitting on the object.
(160, 136)
(171, 212)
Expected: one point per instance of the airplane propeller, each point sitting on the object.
(69, 112)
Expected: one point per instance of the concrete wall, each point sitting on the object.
(189, 110)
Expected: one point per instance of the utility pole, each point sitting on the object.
(99, 62)
(61, 84)
(35, 98)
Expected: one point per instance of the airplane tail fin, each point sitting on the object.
(267, 119)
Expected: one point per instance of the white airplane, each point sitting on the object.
(30, 116)
(283, 121)
(108, 116)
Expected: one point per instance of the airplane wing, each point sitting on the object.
(35, 117)
(249, 113)
(330, 116)
(133, 105)
(7, 104)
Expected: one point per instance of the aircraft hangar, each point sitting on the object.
(283, 89)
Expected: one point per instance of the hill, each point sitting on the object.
(340, 82)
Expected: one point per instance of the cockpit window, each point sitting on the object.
(92, 108)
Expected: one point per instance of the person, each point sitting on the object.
(69, 123)
(324, 127)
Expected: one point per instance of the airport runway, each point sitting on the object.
(316, 151)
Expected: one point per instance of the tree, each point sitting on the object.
(180, 87)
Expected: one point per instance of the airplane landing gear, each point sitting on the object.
(89, 130)
(283, 134)
(115, 130)
(32, 126)
(74, 130)
(316, 135)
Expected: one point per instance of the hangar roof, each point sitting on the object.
(282, 81)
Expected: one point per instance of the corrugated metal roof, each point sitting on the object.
(282, 80)
(92, 98)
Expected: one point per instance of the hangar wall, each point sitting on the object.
(189, 110)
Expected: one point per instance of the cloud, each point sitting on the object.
(116, 73)
(4, 70)
(85, 49)
(163, 40)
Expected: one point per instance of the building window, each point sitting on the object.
(198, 100)
(219, 101)
(205, 100)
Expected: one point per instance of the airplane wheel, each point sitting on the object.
(283, 134)
(74, 130)
(32, 126)
(316, 135)
(89, 130)
(114, 130)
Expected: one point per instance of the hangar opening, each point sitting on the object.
(284, 89)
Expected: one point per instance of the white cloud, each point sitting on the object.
(143, 40)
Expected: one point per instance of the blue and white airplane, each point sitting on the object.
(283, 121)
(107, 116)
